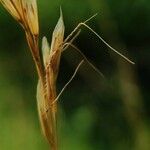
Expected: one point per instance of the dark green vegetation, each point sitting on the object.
(95, 114)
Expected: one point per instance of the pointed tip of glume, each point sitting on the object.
(44, 38)
(61, 14)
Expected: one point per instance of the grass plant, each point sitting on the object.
(47, 65)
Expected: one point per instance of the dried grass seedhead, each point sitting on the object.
(57, 45)
(47, 107)
(13, 7)
(30, 12)
(25, 12)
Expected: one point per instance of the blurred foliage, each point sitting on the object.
(94, 113)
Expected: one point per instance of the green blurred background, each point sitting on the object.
(94, 113)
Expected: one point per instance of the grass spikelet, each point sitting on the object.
(26, 13)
